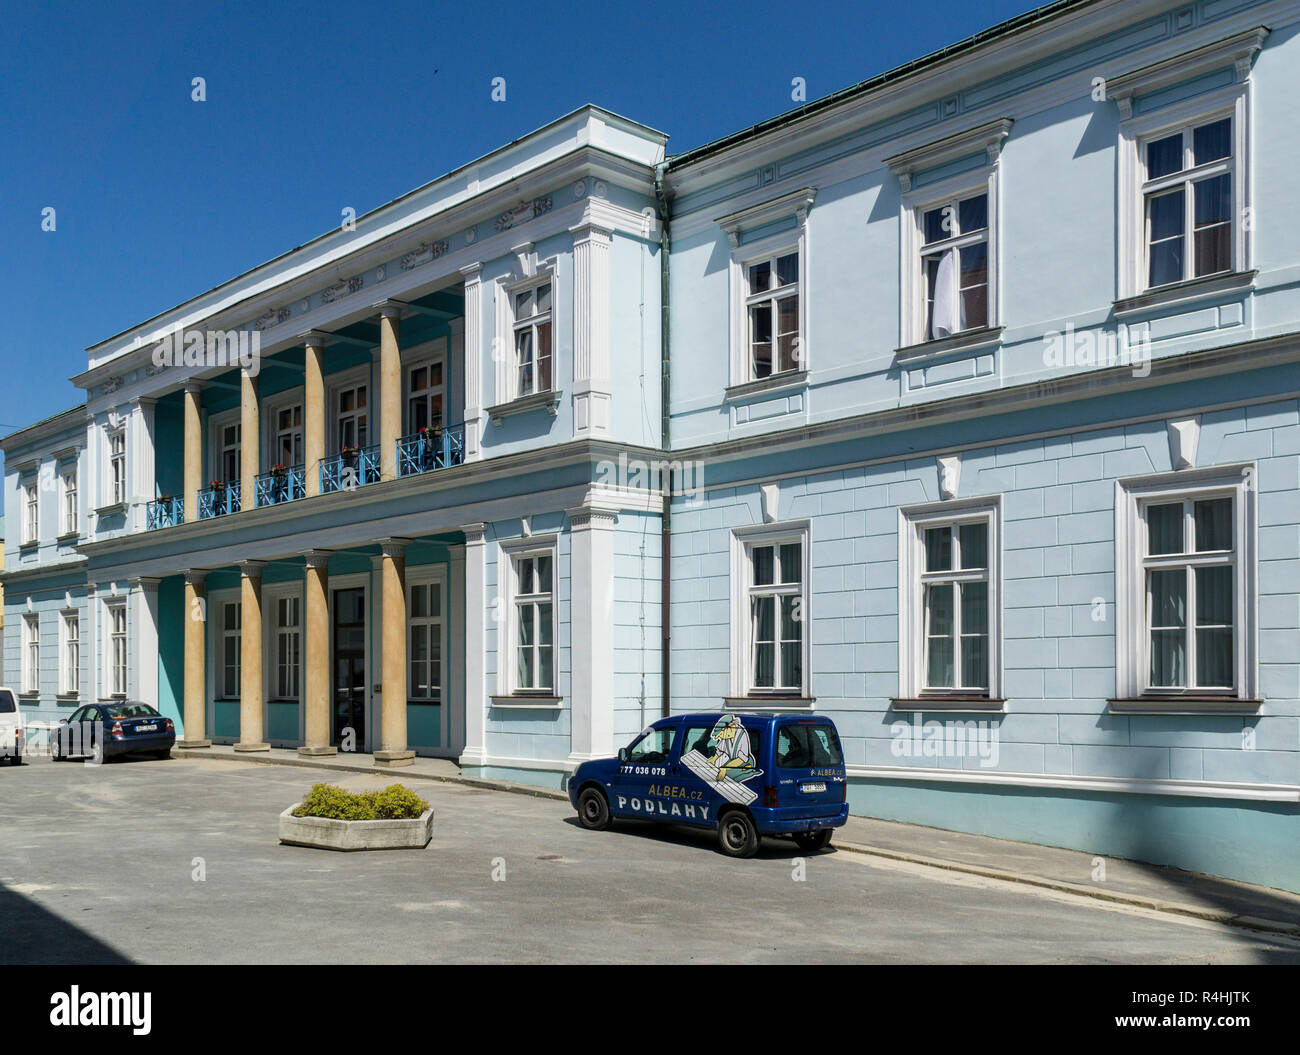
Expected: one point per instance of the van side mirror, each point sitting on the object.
(622, 754)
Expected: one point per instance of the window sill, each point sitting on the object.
(992, 704)
(968, 340)
(776, 383)
(114, 509)
(1189, 292)
(773, 702)
(524, 404)
(528, 703)
(1184, 705)
(29, 696)
(29, 547)
(68, 697)
(68, 536)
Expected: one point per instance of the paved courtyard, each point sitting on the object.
(178, 861)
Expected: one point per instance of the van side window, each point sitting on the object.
(7, 704)
(700, 738)
(807, 746)
(656, 746)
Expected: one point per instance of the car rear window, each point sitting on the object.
(132, 710)
(7, 702)
(807, 747)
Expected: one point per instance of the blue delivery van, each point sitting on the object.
(742, 775)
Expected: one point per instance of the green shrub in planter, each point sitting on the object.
(395, 802)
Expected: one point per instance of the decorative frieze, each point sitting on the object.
(522, 213)
(271, 317)
(424, 253)
(342, 288)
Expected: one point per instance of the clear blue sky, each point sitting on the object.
(312, 107)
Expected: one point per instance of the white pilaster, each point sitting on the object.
(142, 641)
(140, 474)
(455, 702)
(591, 625)
(591, 384)
(473, 359)
(475, 753)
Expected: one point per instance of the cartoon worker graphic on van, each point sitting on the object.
(731, 764)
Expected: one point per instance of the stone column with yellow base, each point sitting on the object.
(193, 451)
(195, 699)
(250, 659)
(392, 723)
(390, 388)
(316, 660)
(313, 437)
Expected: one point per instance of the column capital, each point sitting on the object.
(251, 569)
(314, 338)
(591, 231)
(194, 387)
(195, 576)
(591, 516)
(391, 309)
(474, 532)
(144, 582)
(472, 272)
(317, 558)
(393, 547)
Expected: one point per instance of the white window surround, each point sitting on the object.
(335, 386)
(31, 512)
(1131, 644)
(796, 240)
(115, 477)
(31, 657)
(216, 424)
(272, 631)
(1233, 101)
(426, 354)
(986, 139)
(69, 653)
(528, 273)
(69, 502)
(432, 575)
(742, 541)
(217, 604)
(509, 551)
(912, 522)
(116, 648)
(271, 409)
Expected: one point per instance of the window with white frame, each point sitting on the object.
(352, 416)
(31, 654)
(425, 628)
(530, 309)
(70, 508)
(117, 650)
(31, 512)
(949, 244)
(230, 644)
(287, 435)
(529, 654)
(1185, 574)
(950, 600)
(227, 467)
(770, 642)
(288, 647)
(117, 466)
(70, 654)
(425, 393)
(772, 314)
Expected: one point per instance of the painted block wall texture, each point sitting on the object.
(638, 546)
(1058, 561)
(48, 607)
(512, 732)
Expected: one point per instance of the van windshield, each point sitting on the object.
(807, 747)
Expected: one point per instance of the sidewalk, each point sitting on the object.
(1070, 871)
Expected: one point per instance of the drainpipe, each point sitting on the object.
(666, 517)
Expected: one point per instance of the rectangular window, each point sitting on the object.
(231, 644)
(31, 512)
(287, 442)
(117, 651)
(534, 622)
(776, 601)
(425, 389)
(772, 312)
(70, 510)
(31, 654)
(531, 309)
(955, 265)
(70, 657)
(352, 417)
(288, 647)
(228, 456)
(425, 615)
(117, 467)
(1187, 195)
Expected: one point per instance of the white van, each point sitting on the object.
(11, 728)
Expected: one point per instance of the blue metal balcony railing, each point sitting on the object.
(423, 452)
(219, 501)
(164, 512)
(346, 471)
(274, 488)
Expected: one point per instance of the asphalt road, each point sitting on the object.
(178, 862)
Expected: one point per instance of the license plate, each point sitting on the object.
(154, 729)
(813, 787)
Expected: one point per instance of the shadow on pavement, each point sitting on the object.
(31, 934)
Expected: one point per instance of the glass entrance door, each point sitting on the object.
(350, 668)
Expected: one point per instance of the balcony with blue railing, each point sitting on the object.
(430, 449)
(350, 468)
(164, 511)
(218, 499)
(281, 484)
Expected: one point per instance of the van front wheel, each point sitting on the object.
(593, 810)
(817, 840)
(737, 835)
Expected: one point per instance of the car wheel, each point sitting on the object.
(163, 755)
(593, 809)
(97, 753)
(817, 840)
(737, 835)
(56, 752)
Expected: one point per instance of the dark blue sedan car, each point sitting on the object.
(105, 730)
(743, 775)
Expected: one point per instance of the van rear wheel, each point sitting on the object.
(737, 835)
(593, 810)
(817, 840)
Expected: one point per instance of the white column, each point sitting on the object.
(142, 641)
(591, 632)
(91, 647)
(140, 479)
(473, 359)
(591, 384)
(475, 753)
(454, 705)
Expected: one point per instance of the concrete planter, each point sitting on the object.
(325, 833)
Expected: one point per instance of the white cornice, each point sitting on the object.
(1237, 51)
(986, 138)
(794, 203)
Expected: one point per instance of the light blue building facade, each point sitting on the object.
(976, 385)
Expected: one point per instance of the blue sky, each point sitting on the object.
(312, 107)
